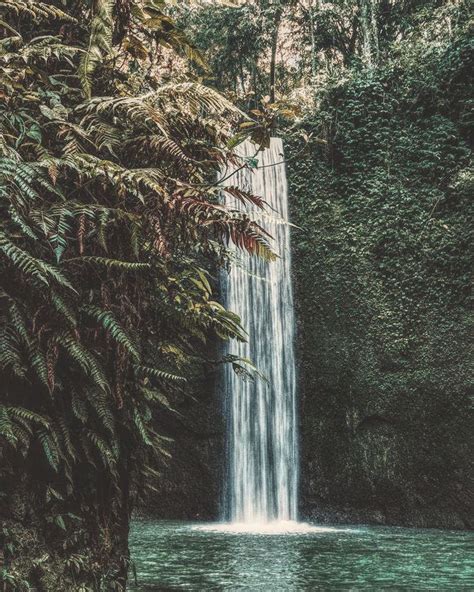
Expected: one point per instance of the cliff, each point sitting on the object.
(381, 271)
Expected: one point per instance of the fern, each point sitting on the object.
(113, 327)
(84, 359)
(50, 449)
(100, 41)
(35, 9)
(6, 426)
(110, 215)
(32, 266)
(110, 263)
(162, 374)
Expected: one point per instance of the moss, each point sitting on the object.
(381, 270)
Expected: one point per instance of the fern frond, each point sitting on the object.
(19, 220)
(36, 9)
(29, 416)
(78, 407)
(32, 266)
(100, 404)
(65, 435)
(192, 97)
(139, 111)
(10, 356)
(6, 426)
(100, 43)
(159, 146)
(156, 373)
(38, 362)
(108, 321)
(63, 308)
(135, 182)
(154, 396)
(50, 449)
(244, 196)
(105, 452)
(42, 49)
(141, 427)
(84, 358)
(110, 263)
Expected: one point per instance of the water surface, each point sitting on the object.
(173, 556)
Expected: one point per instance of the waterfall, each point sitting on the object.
(262, 441)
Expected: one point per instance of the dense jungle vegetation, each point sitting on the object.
(379, 164)
(110, 219)
(116, 118)
(384, 280)
(374, 101)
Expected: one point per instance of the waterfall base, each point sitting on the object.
(278, 527)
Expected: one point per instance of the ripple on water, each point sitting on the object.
(278, 527)
(298, 557)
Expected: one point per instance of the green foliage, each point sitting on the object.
(110, 216)
(100, 42)
(382, 273)
(232, 38)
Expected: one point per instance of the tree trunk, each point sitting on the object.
(276, 31)
(368, 21)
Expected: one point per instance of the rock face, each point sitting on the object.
(190, 480)
(381, 273)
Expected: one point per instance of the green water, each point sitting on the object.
(178, 556)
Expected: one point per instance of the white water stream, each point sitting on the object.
(262, 474)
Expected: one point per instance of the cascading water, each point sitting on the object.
(262, 441)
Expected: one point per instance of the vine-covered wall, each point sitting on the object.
(380, 195)
(382, 264)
